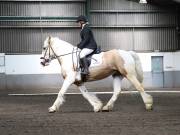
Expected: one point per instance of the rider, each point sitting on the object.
(87, 44)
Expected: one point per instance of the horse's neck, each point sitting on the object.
(62, 47)
(65, 51)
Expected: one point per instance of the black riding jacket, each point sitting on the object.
(87, 39)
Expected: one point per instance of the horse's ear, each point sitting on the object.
(49, 39)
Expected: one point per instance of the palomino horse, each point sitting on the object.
(117, 63)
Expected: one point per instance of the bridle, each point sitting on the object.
(47, 60)
(55, 56)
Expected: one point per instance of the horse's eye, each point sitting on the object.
(44, 48)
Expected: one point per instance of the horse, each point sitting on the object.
(116, 63)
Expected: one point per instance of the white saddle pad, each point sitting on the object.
(96, 60)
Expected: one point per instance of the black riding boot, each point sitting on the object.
(85, 66)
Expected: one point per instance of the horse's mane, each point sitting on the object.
(61, 45)
(62, 42)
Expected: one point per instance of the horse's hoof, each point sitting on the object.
(52, 110)
(98, 108)
(149, 107)
(107, 108)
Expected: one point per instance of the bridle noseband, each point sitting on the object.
(47, 60)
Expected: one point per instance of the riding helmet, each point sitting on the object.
(81, 18)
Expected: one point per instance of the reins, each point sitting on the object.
(57, 56)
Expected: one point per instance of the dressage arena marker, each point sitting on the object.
(123, 92)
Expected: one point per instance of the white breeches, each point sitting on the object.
(84, 52)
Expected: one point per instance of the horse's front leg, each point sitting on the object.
(93, 100)
(60, 98)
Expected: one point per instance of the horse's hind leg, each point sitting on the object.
(93, 100)
(148, 100)
(117, 89)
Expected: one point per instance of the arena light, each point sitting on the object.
(143, 1)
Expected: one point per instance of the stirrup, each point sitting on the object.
(78, 69)
(84, 73)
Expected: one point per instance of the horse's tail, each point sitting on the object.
(138, 66)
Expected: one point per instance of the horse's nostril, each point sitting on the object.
(43, 63)
(46, 60)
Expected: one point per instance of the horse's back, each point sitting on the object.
(127, 57)
(97, 59)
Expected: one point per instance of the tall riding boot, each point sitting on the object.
(85, 66)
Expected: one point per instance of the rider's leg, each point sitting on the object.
(83, 60)
(84, 64)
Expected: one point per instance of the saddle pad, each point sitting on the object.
(96, 60)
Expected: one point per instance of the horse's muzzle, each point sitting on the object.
(45, 62)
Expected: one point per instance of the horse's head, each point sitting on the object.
(54, 48)
(47, 52)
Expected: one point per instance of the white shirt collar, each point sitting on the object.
(84, 25)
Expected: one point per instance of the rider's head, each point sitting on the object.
(81, 20)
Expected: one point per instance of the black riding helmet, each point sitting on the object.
(81, 18)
